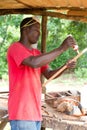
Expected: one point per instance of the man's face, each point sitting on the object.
(33, 33)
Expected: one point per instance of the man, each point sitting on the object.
(25, 67)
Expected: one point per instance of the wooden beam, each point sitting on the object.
(77, 13)
(3, 92)
(11, 4)
(43, 13)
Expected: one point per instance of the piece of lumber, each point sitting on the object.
(64, 67)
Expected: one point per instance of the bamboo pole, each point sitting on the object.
(64, 67)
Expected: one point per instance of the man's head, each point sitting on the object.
(30, 29)
(29, 22)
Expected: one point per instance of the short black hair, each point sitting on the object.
(28, 22)
(25, 21)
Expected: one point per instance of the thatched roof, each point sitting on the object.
(67, 9)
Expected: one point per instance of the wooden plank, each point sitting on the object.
(18, 4)
(42, 13)
(12, 4)
(83, 3)
(3, 92)
(73, 3)
(3, 112)
(56, 124)
(55, 3)
(3, 124)
(44, 3)
(77, 13)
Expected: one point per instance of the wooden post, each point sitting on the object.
(3, 124)
(43, 43)
(44, 34)
(43, 48)
(42, 128)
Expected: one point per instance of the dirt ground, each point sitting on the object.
(66, 82)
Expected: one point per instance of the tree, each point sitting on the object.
(9, 32)
(58, 29)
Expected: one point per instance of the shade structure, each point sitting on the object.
(66, 9)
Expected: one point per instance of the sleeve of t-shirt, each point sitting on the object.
(43, 68)
(18, 52)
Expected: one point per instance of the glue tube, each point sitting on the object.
(75, 47)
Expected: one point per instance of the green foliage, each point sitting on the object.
(54, 34)
(81, 72)
(9, 32)
(57, 30)
(79, 31)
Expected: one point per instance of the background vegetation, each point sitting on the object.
(57, 31)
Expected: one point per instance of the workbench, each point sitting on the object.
(51, 118)
(60, 121)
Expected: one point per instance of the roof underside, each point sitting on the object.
(66, 9)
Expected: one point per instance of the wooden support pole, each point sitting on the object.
(44, 34)
(3, 121)
(43, 43)
(43, 47)
(3, 124)
(42, 128)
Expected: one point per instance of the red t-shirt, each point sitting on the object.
(24, 84)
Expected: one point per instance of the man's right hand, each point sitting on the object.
(71, 64)
(68, 42)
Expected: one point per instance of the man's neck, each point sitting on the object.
(26, 44)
